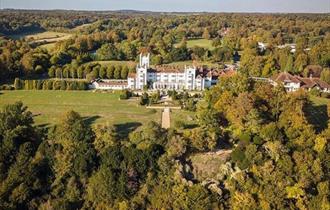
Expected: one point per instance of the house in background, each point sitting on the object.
(293, 83)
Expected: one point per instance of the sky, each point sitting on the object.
(283, 6)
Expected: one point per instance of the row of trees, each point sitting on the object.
(91, 71)
(49, 85)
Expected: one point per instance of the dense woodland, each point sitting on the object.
(279, 158)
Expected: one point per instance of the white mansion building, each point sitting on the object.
(163, 78)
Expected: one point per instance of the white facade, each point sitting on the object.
(183, 79)
(291, 86)
(109, 85)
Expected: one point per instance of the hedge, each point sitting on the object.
(49, 85)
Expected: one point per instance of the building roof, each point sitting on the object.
(167, 69)
(227, 73)
(131, 75)
(112, 83)
(312, 82)
(305, 82)
(285, 77)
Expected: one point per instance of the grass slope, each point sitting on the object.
(98, 108)
(205, 43)
(200, 43)
(317, 113)
(46, 39)
(107, 63)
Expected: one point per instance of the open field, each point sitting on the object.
(317, 113)
(200, 43)
(46, 39)
(82, 27)
(47, 36)
(105, 63)
(196, 63)
(98, 108)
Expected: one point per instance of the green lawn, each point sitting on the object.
(98, 108)
(205, 43)
(182, 115)
(47, 36)
(320, 101)
(317, 113)
(105, 63)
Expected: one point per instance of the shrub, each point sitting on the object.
(125, 94)
(325, 95)
(18, 84)
(190, 105)
(63, 85)
(74, 85)
(179, 124)
(238, 156)
(39, 85)
(49, 85)
(257, 140)
(245, 138)
(34, 84)
(82, 86)
(56, 85)
(144, 99)
(6, 87)
(315, 92)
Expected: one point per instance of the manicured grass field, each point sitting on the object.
(98, 108)
(106, 63)
(200, 43)
(205, 43)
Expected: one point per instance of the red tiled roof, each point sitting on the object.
(131, 75)
(285, 77)
(321, 83)
(113, 83)
(306, 82)
(167, 69)
(227, 73)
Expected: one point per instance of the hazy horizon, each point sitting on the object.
(258, 6)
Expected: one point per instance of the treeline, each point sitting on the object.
(233, 36)
(27, 21)
(49, 85)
